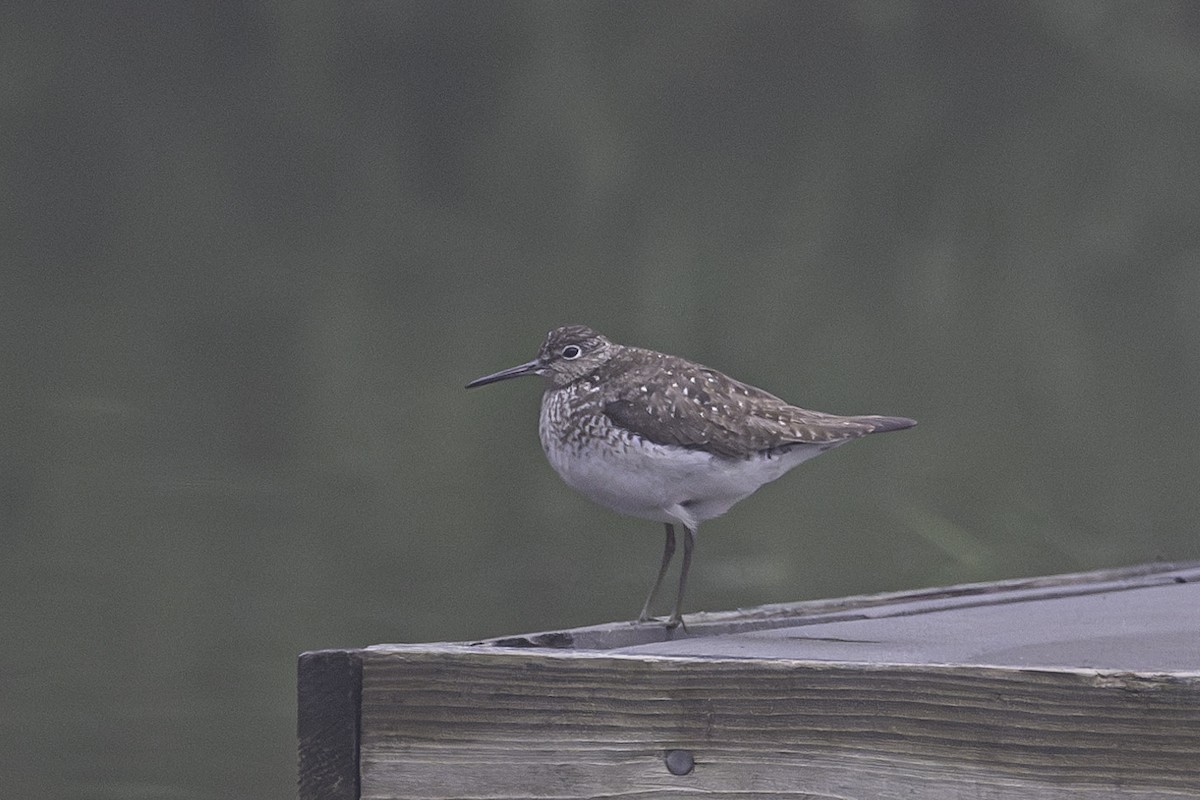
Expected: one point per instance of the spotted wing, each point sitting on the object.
(673, 402)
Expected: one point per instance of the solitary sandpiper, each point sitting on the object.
(662, 438)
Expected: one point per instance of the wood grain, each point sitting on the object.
(486, 723)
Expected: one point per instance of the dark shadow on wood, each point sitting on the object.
(329, 699)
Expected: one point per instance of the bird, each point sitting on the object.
(658, 437)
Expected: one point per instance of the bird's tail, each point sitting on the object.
(883, 424)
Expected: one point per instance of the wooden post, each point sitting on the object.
(1079, 686)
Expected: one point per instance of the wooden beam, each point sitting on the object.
(461, 722)
(1075, 686)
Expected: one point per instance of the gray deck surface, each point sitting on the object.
(1136, 629)
(1144, 618)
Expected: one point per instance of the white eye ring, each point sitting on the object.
(571, 352)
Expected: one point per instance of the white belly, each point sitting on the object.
(675, 485)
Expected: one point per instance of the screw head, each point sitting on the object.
(680, 762)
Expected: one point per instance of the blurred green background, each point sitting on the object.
(252, 252)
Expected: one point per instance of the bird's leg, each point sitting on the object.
(668, 551)
(689, 541)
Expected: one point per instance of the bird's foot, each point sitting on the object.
(670, 624)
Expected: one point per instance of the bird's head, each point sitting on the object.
(567, 354)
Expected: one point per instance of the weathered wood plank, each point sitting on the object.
(701, 625)
(1142, 630)
(329, 697)
(1076, 686)
(470, 722)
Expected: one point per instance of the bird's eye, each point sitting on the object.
(571, 352)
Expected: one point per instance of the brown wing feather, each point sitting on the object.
(673, 402)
